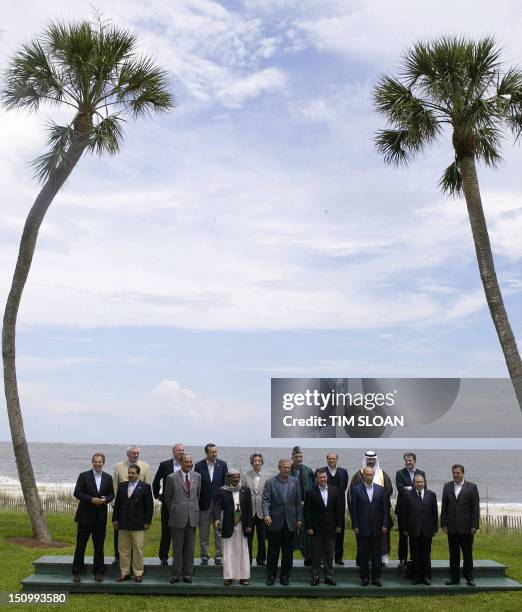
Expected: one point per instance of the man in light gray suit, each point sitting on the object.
(282, 514)
(182, 491)
(255, 480)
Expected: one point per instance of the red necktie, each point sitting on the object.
(187, 483)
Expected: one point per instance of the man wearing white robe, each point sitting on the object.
(232, 515)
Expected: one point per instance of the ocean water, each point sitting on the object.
(495, 472)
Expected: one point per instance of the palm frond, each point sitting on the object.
(59, 139)
(488, 142)
(451, 181)
(395, 146)
(106, 136)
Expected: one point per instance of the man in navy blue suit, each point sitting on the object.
(370, 519)
(213, 472)
(338, 477)
(94, 490)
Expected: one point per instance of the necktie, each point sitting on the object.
(419, 493)
(187, 483)
(130, 490)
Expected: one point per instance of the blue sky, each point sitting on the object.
(254, 231)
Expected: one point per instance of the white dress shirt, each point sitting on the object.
(457, 488)
(324, 494)
(369, 491)
(97, 479)
(211, 467)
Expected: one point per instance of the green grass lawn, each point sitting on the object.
(16, 564)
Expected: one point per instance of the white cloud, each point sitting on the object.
(236, 93)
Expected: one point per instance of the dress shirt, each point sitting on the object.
(176, 466)
(257, 478)
(97, 479)
(412, 474)
(332, 472)
(457, 488)
(324, 494)
(132, 486)
(369, 491)
(211, 467)
(421, 493)
(284, 490)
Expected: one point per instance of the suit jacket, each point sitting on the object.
(210, 488)
(277, 507)
(343, 481)
(85, 490)
(183, 507)
(257, 493)
(133, 512)
(224, 502)
(323, 519)
(369, 517)
(460, 514)
(420, 517)
(403, 480)
(165, 469)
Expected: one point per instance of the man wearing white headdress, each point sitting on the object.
(380, 477)
(232, 515)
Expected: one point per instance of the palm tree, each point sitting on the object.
(459, 87)
(95, 70)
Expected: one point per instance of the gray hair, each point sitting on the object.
(133, 447)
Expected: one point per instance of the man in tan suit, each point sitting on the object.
(121, 474)
(255, 480)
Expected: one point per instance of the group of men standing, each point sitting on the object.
(298, 508)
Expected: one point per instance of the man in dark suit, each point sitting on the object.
(166, 468)
(324, 517)
(370, 519)
(460, 519)
(338, 477)
(283, 516)
(94, 490)
(420, 519)
(404, 481)
(213, 472)
(131, 516)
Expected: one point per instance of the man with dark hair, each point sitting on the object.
(255, 480)
(132, 516)
(404, 481)
(324, 516)
(338, 477)
(370, 519)
(94, 491)
(420, 520)
(305, 476)
(283, 516)
(166, 468)
(460, 520)
(213, 472)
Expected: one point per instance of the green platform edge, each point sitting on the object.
(53, 574)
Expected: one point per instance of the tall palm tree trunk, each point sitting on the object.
(32, 225)
(487, 272)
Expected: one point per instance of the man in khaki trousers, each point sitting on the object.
(132, 515)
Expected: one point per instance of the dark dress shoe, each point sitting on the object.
(164, 562)
(227, 581)
(284, 581)
(471, 582)
(330, 581)
(244, 581)
(122, 578)
(218, 561)
(339, 562)
(308, 562)
(314, 582)
(451, 581)
(204, 560)
(364, 582)
(98, 578)
(261, 562)
(77, 578)
(138, 578)
(270, 581)
(426, 581)
(173, 580)
(377, 582)
(187, 579)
